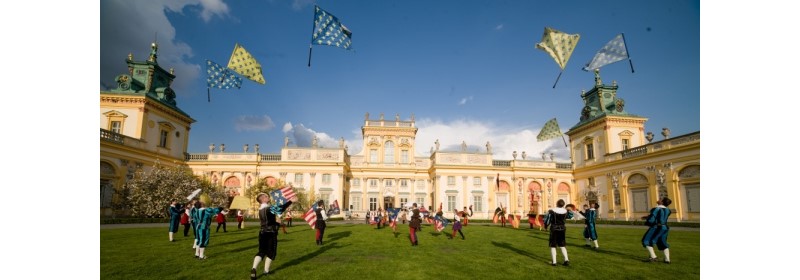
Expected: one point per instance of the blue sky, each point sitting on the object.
(467, 70)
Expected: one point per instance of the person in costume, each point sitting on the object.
(221, 220)
(556, 220)
(589, 230)
(185, 222)
(204, 216)
(194, 219)
(379, 217)
(239, 218)
(320, 224)
(268, 234)
(457, 224)
(288, 218)
(503, 216)
(658, 230)
(175, 211)
(414, 225)
(465, 215)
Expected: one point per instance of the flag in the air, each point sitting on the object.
(393, 216)
(311, 216)
(281, 196)
(549, 131)
(558, 45)
(514, 220)
(329, 31)
(613, 51)
(441, 223)
(243, 63)
(221, 77)
(334, 208)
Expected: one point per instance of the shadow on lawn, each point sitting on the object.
(339, 235)
(518, 251)
(308, 256)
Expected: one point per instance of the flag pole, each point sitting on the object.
(565, 141)
(313, 25)
(208, 90)
(628, 52)
(559, 77)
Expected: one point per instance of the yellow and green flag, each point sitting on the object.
(558, 45)
(549, 131)
(243, 63)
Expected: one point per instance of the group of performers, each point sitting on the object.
(198, 216)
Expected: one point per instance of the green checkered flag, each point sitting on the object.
(549, 131)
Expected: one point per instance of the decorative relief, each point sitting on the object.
(328, 156)
(451, 159)
(637, 179)
(475, 159)
(690, 172)
(299, 155)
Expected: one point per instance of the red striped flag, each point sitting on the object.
(311, 217)
(288, 192)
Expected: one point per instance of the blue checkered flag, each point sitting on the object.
(615, 50)
(328, 31)
(221, 77)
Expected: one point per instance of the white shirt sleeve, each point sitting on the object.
(324, 215)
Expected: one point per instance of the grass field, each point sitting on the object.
(359, 251)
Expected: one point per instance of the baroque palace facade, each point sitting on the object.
(615, 162)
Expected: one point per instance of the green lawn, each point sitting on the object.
(359, 251)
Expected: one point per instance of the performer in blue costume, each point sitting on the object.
(204, 228)
(658, 232)
(175, 211)
(589, 231)
(556, 219)
(194, 219)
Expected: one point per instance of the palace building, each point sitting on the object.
(615, 161)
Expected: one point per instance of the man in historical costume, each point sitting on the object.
(268, 234)
(204, 216)
(589, 231)
(658, 230)
(175, 211)
(556, 220)
(414, 225)
(320, 224)
(465, 215)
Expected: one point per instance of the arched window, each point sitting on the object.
(388, 152)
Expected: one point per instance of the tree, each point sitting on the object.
(149, 194)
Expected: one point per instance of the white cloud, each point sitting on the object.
(465, 100)
(300, 4)
(498, 27)
(254, 123)
(287, 127)
(130, 27)
(504, 139)
(302, 136)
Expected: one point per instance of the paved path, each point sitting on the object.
(296, 223)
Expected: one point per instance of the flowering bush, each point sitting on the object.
(149, 194)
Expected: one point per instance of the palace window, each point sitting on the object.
(356, 182)
(163, 139)
(451, 180)
(355, 202)
(639, 200)
(451, 202)
(420, 184)
(476, 181)
(420, 201)
(298, 178)
(589, 151)
(373, 183)
(625, 144)
(388, 182)
(404, 183)
(404, 156)
(116, 126)
(373, 203)
(403, 201)
(326, 179)
(693, 198)
(477, 203)
(388, 152)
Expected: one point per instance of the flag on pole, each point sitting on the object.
(221, 77)
(615, 50)
(549, 131)
(441, 223)
(311, 216)
(333, 209)
(497, 183)
(328, 31)
(242, 62)
(393, 216)
(558, 45)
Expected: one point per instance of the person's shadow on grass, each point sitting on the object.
(307, 257)
(518, 251)
(339, 235)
